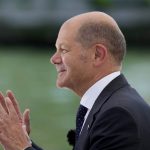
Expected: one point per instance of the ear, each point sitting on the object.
(100, 54)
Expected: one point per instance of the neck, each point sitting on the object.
(80, 91)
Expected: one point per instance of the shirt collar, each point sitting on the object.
(90, 96)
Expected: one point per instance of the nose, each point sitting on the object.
(56, 58)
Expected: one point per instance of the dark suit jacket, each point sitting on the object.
(119, 120)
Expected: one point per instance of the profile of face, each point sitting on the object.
(82, 57)
(71, 60)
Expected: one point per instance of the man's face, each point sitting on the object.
(72, 62)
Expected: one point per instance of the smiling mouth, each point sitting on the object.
(61, 71)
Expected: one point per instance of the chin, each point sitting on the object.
(62, 84)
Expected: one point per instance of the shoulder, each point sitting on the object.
(115, 116)
(114, 125)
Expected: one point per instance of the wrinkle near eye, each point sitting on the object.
(64, 51)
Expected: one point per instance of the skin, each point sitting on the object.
(78, 68)
(14, 127)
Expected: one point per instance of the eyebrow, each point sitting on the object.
(63, 46)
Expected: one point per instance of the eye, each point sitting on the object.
(64, 51)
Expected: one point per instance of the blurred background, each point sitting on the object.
(28, 30)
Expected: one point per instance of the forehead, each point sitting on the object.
(61, 45)
(62, 41)
(66, 36)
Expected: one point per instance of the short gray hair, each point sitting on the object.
(90, 33)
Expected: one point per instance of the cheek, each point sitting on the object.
(68, 61)
(74, 63)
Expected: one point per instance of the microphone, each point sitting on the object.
(71, 136)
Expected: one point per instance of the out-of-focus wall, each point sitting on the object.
(35, 21)
(38, 21)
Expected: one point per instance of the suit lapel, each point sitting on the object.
(113, 86)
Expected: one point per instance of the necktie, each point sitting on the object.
(80, 119)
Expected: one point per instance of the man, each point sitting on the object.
(90, 50)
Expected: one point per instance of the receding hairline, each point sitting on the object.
(98, 19)
(95, 17)
(91, 16)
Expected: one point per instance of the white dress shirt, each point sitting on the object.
(94, 91)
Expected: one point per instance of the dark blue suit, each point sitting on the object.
(119, 120)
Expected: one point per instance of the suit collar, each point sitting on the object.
(113, 86)
(94, 91)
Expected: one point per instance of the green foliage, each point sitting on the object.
(147, 2)
(102, 3)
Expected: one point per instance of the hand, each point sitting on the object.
(25, 119)
(12, 135)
